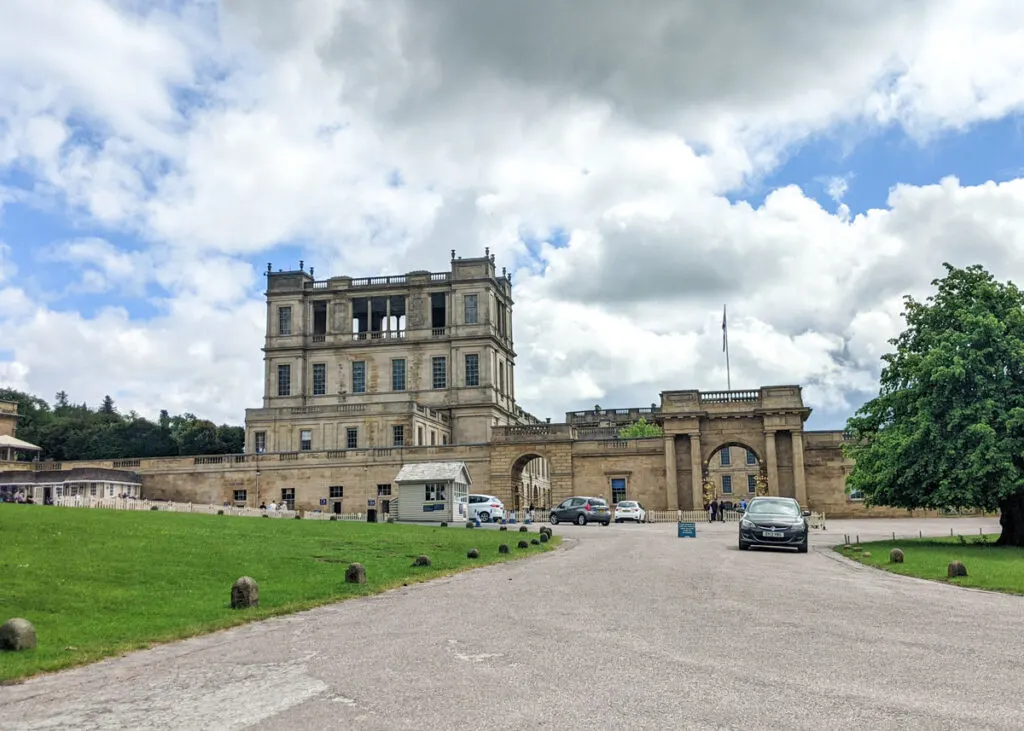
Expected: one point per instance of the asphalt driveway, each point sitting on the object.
(628, 627)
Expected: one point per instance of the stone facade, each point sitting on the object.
(8, 418)
(364, 375)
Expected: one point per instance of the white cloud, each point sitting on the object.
(626, 130)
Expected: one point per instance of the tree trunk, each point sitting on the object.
(1011, 518)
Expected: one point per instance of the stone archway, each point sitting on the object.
(732, 471)
(510, 460)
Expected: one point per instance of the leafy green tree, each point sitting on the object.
(639, 429)
(74, 431)
(947, 428)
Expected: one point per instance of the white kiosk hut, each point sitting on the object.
(432, 492)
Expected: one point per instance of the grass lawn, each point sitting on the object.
(988, 566)
(100, 582)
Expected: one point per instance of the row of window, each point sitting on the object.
(352, 438)
(438, 375)
(727, 484)
(335, 492)
(388, 315)
(726, 457)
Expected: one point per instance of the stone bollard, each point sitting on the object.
(220, 512)
(534, 542)
(523, 529)
(443, 524)
(245, 593)
(355, 574)
(895, 556)
(333, 517)
(956, 569)
(154, 507)
(473, 553)
(523, 544)
(866, 554)
(546, 529)
(298, 516)
(502, 527)
(421, 561)
(503, 548)
(544, 538)
(17, 634)
(469, 524)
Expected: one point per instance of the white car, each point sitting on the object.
(630, 510)
(485, 507)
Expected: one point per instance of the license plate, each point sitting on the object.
(773, 534)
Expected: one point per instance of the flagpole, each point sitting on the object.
(725, 347)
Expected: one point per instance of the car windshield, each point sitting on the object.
(598, 502)
(627, 504)
(773, 507)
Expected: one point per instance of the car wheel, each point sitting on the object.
(554, 519)
(802, 548)
(484, 517)
(581, 520)
(606, 523)
(744, 546)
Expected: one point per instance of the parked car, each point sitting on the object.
(582, 510)
(630, 510)
(485, 507)
(774, 521)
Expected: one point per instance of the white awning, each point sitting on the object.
(12, 443)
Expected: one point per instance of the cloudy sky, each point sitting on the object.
(635, 165)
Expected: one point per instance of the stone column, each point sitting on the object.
(671, 477)
(773, 463)
(696, 473)
(799, 479)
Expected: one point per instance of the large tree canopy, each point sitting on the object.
(69, 431)
(947, 428)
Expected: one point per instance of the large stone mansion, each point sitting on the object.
(364, 375)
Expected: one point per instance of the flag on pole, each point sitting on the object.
(725, 340)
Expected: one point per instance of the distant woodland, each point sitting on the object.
(68, 431)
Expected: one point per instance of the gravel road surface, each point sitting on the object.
(627, 627)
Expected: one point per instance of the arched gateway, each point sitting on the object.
(673, 471)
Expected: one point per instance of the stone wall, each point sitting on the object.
(576, 467)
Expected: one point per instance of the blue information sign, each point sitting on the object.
(687, 530)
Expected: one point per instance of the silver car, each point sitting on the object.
(582, 510)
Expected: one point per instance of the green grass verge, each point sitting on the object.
(997, 568)
(97, 583)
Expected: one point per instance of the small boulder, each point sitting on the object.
(895, 556)
(503, 527)
(298, 516)
(355, 574)
(220, 512)
(473, 553)
(154, 507)
(245, 593)
(503, 548)
(17, 634)
(534, 542)
(956, 569)
(333, 517)
(544, 538)
(264, 516)
(546, 529)
(421, 561)
(469, 523)
(523, 544)
(523, 529)
(443, 524)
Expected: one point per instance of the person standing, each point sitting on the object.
(714, 510)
